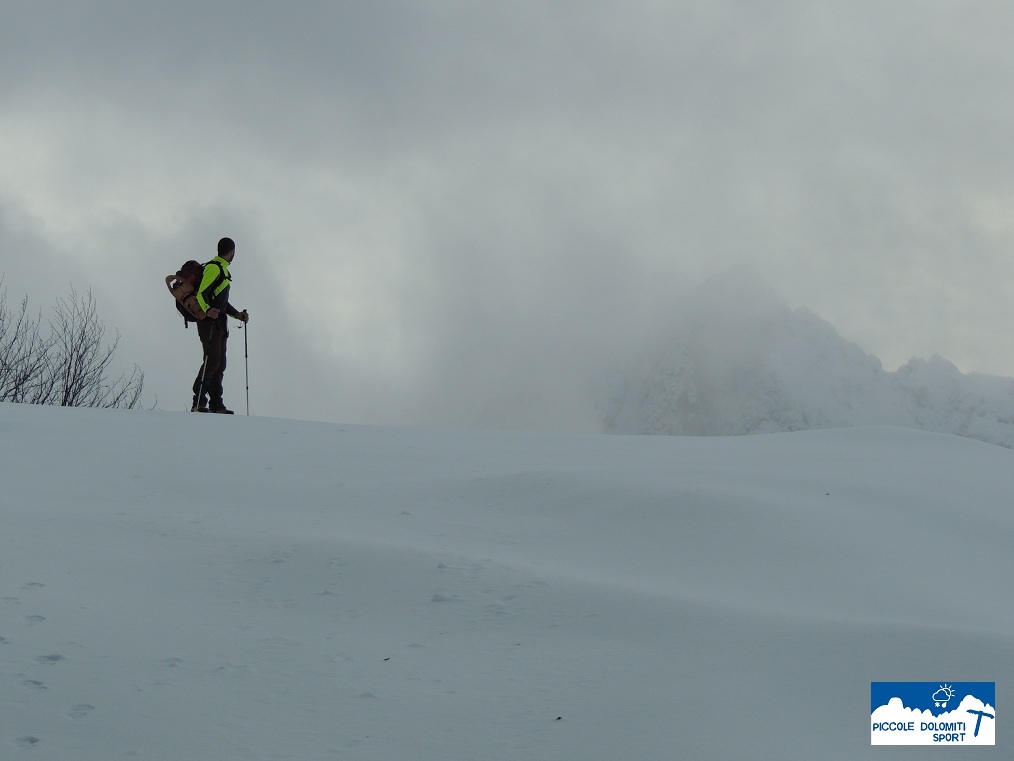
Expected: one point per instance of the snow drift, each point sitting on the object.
(181, 586)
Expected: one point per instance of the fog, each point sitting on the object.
(451, 213)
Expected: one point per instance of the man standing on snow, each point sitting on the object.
(213, 296)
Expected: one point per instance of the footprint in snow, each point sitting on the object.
(438, 597)
(27, 742)
(499, 611)
(34, 619)
(80, 711)
(233, 668)
(50, 659)
(33, 684)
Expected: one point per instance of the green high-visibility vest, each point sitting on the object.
(216, 273)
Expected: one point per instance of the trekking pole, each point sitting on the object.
(200, 394)
(246, 362)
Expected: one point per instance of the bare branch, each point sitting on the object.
(23, 352)
(69, 368)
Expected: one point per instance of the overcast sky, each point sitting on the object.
(437, 202)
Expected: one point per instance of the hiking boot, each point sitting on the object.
(221, 411)
(199, 406)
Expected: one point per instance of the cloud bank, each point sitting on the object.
(433, 198)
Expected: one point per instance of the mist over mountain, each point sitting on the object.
(739, 360)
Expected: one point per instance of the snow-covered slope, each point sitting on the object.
(194, 587)
(740, 361)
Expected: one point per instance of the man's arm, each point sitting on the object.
(207, 280)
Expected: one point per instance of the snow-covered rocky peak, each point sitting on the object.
(739, 360)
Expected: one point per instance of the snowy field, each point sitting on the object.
(197, 587)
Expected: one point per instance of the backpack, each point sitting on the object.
(183, 286)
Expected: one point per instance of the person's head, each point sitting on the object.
(227, 249)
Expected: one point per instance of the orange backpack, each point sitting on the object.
(183, 286)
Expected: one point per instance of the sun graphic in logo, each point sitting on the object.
(941, 696)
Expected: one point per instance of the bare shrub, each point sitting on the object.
(70, 366)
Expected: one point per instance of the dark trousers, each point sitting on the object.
(214, 336)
